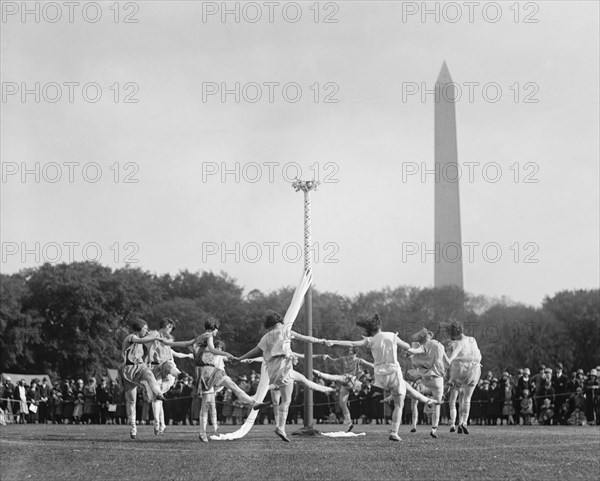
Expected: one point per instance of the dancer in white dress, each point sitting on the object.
(388, 374)
(465, 371)
(162, 362)
(135, 372)
(429, 362)
(279, 359)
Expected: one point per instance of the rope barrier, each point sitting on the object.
(297, 405)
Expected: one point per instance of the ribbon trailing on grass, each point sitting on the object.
(263, 385)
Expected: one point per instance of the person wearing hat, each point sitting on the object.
(537, 380)
(591, 387)
(57, 404)
(579, 380)
(572, 384)
(577, 402)
(6, 394)
(545, 391)
(494, 411)
(246, 387)
(20, 405)
(560, 383)
(465, 371)
(507, 399)
(429, 362)
(516, 398)
(481, 396)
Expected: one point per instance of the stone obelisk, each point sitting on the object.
(448, 262)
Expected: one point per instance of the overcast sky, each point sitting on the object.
(341, 91)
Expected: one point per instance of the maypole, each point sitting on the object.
(307, 186)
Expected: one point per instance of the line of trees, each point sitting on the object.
(70, 319)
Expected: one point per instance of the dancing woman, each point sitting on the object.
(388, 374)
(465, 371)
(162, 362)
(210, 372)
(135, 372)
(351, 368)
(429, 362)
(279, 359)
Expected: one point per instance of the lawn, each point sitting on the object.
(76, 452)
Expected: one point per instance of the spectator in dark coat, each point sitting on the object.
(538, 381)
(57, 405)
(546, 391)
(102, 399)
(68, 396)
(354, 406)
(477, 404)
(375, 406)
(6, 396)
(576, 381)
(591, 387)
(494, 409)
(560, 383)
(45, 398)
(320, 404)
(485, 400)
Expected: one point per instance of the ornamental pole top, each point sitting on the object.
(305, 185)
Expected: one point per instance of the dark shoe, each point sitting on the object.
(464, 429)
(433, 433)
(452, 429)
(256, 405)
(282, 435)
(460, 429)
(413, 430)
(394, 437)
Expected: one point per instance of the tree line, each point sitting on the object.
(69, 320)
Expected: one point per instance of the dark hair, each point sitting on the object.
(166, 321)
(219, 344)
(454, 329)
(421, 336)
(138, 324)
(211, 324)
(370, 324)
(272, 319)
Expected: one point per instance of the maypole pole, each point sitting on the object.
(307, 186)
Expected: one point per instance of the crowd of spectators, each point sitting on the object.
(549, 397)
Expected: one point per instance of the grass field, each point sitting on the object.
(76, 452)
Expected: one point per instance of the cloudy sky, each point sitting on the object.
(166, 135)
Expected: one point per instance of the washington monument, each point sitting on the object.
(448, 265)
